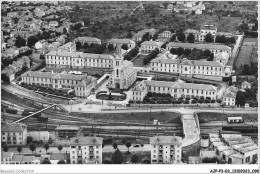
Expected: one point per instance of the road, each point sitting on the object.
(235, 50)
(106, 148)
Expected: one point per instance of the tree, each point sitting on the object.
(19, 149)
(173, 38)
(209, 38)
(155, 36)
(187, 51)
(134, 159)
(110, 47)
(128, 144)
(180, 51)
(32, 147)
(29, 139)
(173, 51)
(191, 38)
(124, 46)
(232, 40)
(129, 35)
(20, 42)
(181, 36)
(240, 99)
(86, 45)
(218, 39)
(46, 161)
(5, 148)
(60, 148)
(206, 53)
(46, 147)
(117, 157)
(142, 145)
(61, 162)
(115, 145)
(246, 70)
(78, 45)
(32, 40)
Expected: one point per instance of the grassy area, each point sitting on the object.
(127, 157)
(206, 117)
(142, 117)
(138, 61)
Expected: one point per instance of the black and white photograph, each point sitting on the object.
(143, 83)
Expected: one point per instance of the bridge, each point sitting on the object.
(40, 111)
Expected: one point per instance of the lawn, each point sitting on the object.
(138, 61)
(206, 117)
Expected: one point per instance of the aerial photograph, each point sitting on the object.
(129, 82)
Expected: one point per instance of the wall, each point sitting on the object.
(39, 135)
(215, 78)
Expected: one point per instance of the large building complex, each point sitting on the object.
(214, 48)
(186, 67)
(79, 60)
(86, 150)
(176, 89)
(14, 134)
(166, 149)
(82, 84)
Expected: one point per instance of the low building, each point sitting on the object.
(68, 47)
(139, 91)
(9, 72)
(149, 46)
(138, 36)
(64, 131)
(56, 157)
(6, 157)
(222, 58)
(245, 85)
(229, 96)
(130, 44)
(166, 149)
(14, 134)
(86, 150)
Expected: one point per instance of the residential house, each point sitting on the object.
(53, 24)
(138, 36)
(166, 34)
(11, 52)
(9, 72)
(195, 32)
(41, 44)
(88, 40)
(14, 134)
(56, 157)
(139, 91)
(166, 149)
(39, 135)
(200, 8)
(207, 29)
(222, 57)
(86, 150)
(68, 47)
(245, 85)
(6, 157)
(149, 46)
(229, 97)
(61, 39)
(130, 44)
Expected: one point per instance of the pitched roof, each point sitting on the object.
(232, 89)
(86, 81)
(165, 140)
(207, 63)
(13, 127)
(87, 141)
(140, 86)
(17, 158)
(209, 27)
(39, 74)
(121, 41)
(199, 46)
(58, 156)
(27, 158)
(151, 43)
(159, 83)
(194, 31)
(170, 61)
(70, 77)
(246, 83)
(88, 39)
(67, 127)
(186, 62)
(7, 154)
(194, 86)
(230, 95)
(221, 56)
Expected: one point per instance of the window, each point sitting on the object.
(154, 146)
(97, 152)
(96, 147)
(154, 156)
(154, 151)
(97, 157)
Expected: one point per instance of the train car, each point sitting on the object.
(11, 111)
(43, 119)
(235, 120)
(27, 112)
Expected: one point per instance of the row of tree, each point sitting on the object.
(132, 53)
(147, 59)
(225, 40)
(193, 54)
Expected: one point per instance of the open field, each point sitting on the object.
(142, 118)
(138, 61)
(206, 117)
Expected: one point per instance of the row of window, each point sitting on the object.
(195, 67)
(58, 58)
(3, 133)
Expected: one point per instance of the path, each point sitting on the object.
(235, 50)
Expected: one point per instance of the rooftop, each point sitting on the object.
(67, 127)
(199, 46)
(13, 127)
(158, 140)
(86, 141)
